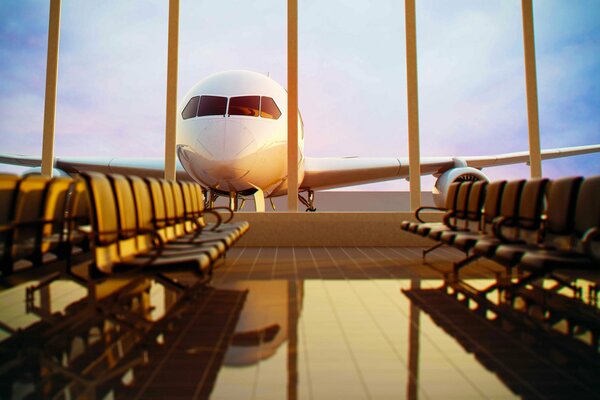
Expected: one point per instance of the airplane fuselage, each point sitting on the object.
(232, 134)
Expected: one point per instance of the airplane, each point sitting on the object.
(232, 139)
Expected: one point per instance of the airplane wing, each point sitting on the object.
(327, 173)
(133, 166)
(320, 173)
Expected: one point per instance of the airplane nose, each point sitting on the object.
(227, 148)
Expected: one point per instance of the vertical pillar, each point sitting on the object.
(414, 331)
(535, 159)
(51, 81)
(171, 113)
(292, 106)
(292, 345)
(412, 91)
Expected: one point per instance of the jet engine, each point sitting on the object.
(38, 171)
(450, 176)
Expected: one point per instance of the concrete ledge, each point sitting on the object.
(349, 229)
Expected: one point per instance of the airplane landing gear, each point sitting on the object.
(209, 198)
(309, 202)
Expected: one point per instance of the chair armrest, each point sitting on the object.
(498, 224)
(446, 220)
(589, 236)
(157, 240)
(217, 215)
(225, 209)
(418, 211)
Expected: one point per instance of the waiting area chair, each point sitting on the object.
(113, 222)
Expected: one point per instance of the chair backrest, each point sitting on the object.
(127, 221)
(560, 211)
(509, 207)
(451, 195)
(144, 212)
(55, 210)
(188, 202)
(562, 199)
(475, 205)
(531, 207)
(158, 206)
(199, 197)
(8, 193)
(493, 197)
(178, 201)
(462, 201)
(104, 218)
(28, 213)
(171, 217)
(587, 212)
(78, 211)
(450, 204)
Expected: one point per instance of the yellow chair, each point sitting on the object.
(8, 191)
(118, 243)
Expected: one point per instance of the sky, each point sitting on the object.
(352, 75)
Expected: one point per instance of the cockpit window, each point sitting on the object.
(212, 105)
(190, 109)
(268, 108)
(244, 105)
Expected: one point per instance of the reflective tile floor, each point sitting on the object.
(308, 323)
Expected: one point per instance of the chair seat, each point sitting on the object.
(436, 232)
(486, 246)
(553, 259)
(197, 263)
(195, 245)
(511, 254)
(413, 227)
(449, 236)
(213, 250)
(465, 241)
(404, 225)
(425, 228)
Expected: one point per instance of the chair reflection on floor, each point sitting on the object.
(531, 359)
(113, 341)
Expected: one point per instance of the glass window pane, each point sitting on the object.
(212, 105)
(244, 105)
(190, 109)
(268, 108)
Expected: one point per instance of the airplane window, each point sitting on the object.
(212, 105)
(190, 109)
(244, 105)
(268, 108)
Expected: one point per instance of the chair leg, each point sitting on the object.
(514, 285)
(431, 249)
(462, 263)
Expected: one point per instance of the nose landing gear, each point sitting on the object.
(309, 202)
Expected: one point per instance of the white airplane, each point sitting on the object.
(232, 139)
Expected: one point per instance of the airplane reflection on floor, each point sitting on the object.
(140, 338)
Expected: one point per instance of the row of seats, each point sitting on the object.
(153, 224)
(538, 225)
(37, 220)
(123, 221)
